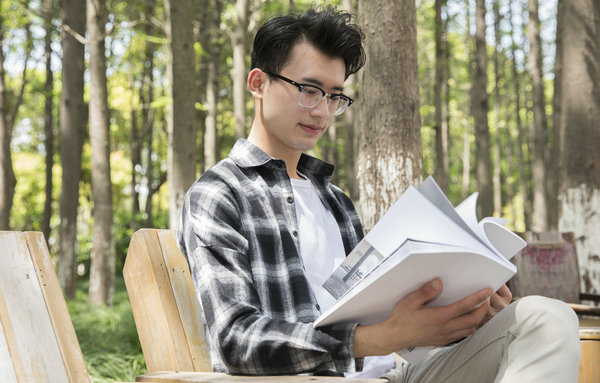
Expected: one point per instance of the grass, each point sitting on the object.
(108, 337)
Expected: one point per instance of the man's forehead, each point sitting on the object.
(315, 67)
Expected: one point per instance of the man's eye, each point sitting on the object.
(310, 91)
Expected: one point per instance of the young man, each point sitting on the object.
(264, 228)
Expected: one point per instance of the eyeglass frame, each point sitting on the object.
(323, 93)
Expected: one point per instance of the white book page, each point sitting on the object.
(468, 211)
(414, 217)
(504, 241)
(372, 299)
(431, 190)
(491, 229)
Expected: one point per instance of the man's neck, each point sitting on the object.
(291, 157)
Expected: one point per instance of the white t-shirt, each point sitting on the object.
(322, 251)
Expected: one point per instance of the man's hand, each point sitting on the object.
(413, 323)
(498, 302)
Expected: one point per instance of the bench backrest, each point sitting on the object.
(548, 266)
(167, 313)
(37, 339)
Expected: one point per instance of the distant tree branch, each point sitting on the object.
(13, 115)
(74, 34)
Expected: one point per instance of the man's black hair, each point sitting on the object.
(329, 30)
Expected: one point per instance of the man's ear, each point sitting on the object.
(256, 82)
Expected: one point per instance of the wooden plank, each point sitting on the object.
(154, 309)
(215, 377)
(29, 333)
(57, 308)
(589, 369)
(7, 369)
(590, 333)
(585, 309)
(188, 305)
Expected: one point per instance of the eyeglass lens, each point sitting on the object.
(310, 96)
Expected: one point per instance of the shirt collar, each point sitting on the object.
(246, 155)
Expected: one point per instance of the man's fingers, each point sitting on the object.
(467, 304)
(469, 320)
(426, 293)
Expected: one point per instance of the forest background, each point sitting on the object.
(110, 109)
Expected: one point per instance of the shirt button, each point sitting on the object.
(318, 307)
(295, 233)
(290, 199)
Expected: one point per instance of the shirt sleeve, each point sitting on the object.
(245, 339)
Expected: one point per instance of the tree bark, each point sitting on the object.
(540, 215)
(390, 157)
(8, 118)
(579, 116)
(48, 117)
(466, 152)
(239, 68)
(211, 146)
(439, 93)
(102, 267)
(480, 112)
(350, 127)
(7, 175)
(136, 159)
(72, 125)
(556, 150)
(497, 173)
(521, 136)
(182, 113)
(147, 97)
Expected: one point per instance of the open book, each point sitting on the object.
(420, 238)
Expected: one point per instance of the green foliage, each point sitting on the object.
(108, 337)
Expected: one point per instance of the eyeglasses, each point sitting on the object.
(310, 96)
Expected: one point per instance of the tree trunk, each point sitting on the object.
(540, 216)
(147, 97)
(239, 69)
(102, 268)
(556, 152)
(7, 175)
(466, 152)
(497, 173)
(182, 113)
(48, 117)
(136, 159)
(390, 157)
(328, 145)
(441, 86)
(350, 128)
(580, 113)
(480, 112)
(211, 147)
(8, 118)
(521, 136)
(72, 125)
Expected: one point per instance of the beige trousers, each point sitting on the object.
(535, 339)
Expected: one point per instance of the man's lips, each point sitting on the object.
(310, 127)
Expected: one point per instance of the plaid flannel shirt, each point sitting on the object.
(239, 234)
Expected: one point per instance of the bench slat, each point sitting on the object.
(7, 369)
(186, 299)
(154, 309)
(57, 308)
(215, 377)
(27, 326)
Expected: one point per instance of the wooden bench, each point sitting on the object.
(169, 318)
(37, 338)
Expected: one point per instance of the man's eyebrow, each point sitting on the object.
(320, 84)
